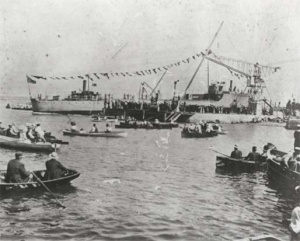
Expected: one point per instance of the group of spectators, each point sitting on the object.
(202, 127)
(30, 134)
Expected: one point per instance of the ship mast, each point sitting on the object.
(200, 64)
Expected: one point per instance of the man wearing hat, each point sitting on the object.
(253, 156)
(16, 172)
(54, 168)
(297, 137)
(10, 132)
(236, 153)
(294, 161)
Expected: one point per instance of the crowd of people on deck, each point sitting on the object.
(31, 133)
(17, 173)
(202, 127)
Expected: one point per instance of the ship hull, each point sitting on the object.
(82, 107)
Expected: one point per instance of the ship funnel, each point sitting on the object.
(84, 86)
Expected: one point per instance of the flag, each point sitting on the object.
(80, 77)
(97, 76)
(123, 74)
(128, 74)
(39, 77)
(154, 70)
(31, 81)
(105, 74)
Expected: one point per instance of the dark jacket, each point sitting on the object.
(54, 170)
(237, 154)
(16, 172)
(253, 156)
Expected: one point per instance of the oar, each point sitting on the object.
(232, 157)
(222, 154)
(58, 202)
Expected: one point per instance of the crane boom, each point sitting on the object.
(225, 65)
(157, 83)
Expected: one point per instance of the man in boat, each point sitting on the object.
(29, 133)
(198, 128)
(94, 129)
(73, 126)
(10, 132)
(108, 128)
(294, 161)
(16, 172)
(54, 169)
(236, 153)
(253, 156)
(81, 131)
(40, 133)
(297, 137)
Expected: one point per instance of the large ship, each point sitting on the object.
(85, 102)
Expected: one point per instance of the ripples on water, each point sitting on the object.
(144, 187)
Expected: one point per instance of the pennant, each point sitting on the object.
(30, 81)
(72, 77)
(123, 74)
(183, 61)
(39, 77)
(137, 73)
(128, 74)
(80, 77)
(63, 77)
(154, 70)
(165, 68)
(159, 69)
(198, 55)
(147, 71)
(142, 72)
(97, 76)
(116, 74)
(57, 78)
(105, 74)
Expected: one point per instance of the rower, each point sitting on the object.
(236, 153)
(253, 156)
(54, 169)
(108, 128)
(40, 133)
(94, 129)
(16, 172)
(294, 161)
(294, 226)
(73, 126)
(10, 132)
(29, 134)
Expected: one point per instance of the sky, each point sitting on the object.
(78, 37)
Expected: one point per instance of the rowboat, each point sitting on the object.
(239, 165)
(14, 143)
(198, 135)
(165, 125)
(266, 237)
(33, 184)
(97, 134)
(281, 173)
(136, 125)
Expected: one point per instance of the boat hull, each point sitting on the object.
(239, 165)
(34, 184)
(82, 107)
(13, 143)
(198, 135)
(114, 134)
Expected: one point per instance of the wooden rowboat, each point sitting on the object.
(33, 184)
(239, 165)
(279, 172)
(198, 135)
(17, 144)
(96, 134)
(152, 126)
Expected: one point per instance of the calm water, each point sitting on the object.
(145, 188)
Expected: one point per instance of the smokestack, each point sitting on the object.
(84, 86)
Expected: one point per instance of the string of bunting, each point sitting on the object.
(94, 76)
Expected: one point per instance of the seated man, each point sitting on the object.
(94, 129)
(108, 128)
(40, 133)
(81, 131)
(54, 169)
(16, 172)
(73, 126)
(293, 161)
(236, 153)
(10, 132)
(253, 156)
(29, 134)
